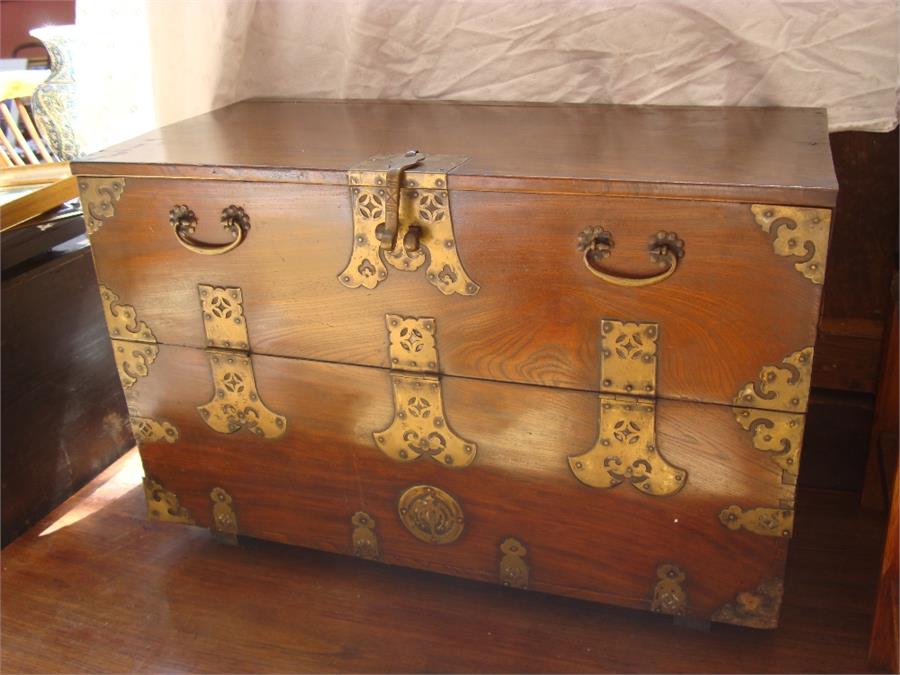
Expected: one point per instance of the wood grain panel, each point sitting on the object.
(303, 487)
(732, 306)
(777, 155)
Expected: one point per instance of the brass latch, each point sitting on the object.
(401, 216)
(387, 231)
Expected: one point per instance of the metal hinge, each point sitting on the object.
(626, 448)
(236, 403)
(420, 427)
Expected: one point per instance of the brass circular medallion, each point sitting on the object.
(430, 514)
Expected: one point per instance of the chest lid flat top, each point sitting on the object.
(775, 155)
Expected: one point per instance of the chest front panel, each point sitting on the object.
(733, 304)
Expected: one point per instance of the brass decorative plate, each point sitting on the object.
(761, 520)
(163, 505)
(413, 343)
(626, 450)
(513, 568)
(758, 408)
(98, 200)
(223, 317)
(430, 514)
(134, 344)
(758, 608)
(236, 404)
(149, 430)
(669, 596)
(628, 357)
(420, 427)
(224, 521)
(365, 541)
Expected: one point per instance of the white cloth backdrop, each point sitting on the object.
(145, 63)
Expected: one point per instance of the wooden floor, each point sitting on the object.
(97, 588)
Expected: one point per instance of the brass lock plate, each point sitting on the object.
(404, 219)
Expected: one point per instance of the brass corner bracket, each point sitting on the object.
(236, 403)
(420, 427)
(758, 608)
(401, 211)
(514, 570)
(780, 387)
(163, 505)
(773, 407)
(761, 520)
(224, 521)
(669, 596)
(134, 344)
(149, 430)
(365, 541)
(98, 200)
(626, 448)
(798, 232)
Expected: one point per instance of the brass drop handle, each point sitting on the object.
(234, 219)
(665, 249)
(387, 232)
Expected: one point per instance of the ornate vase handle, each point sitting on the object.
(665, 249)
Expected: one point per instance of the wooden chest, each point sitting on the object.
(564, 348)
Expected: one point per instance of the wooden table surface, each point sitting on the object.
(96, 588)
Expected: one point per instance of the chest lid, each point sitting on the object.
(771, 155)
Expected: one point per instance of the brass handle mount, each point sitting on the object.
(665, 249)
(184, 221)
